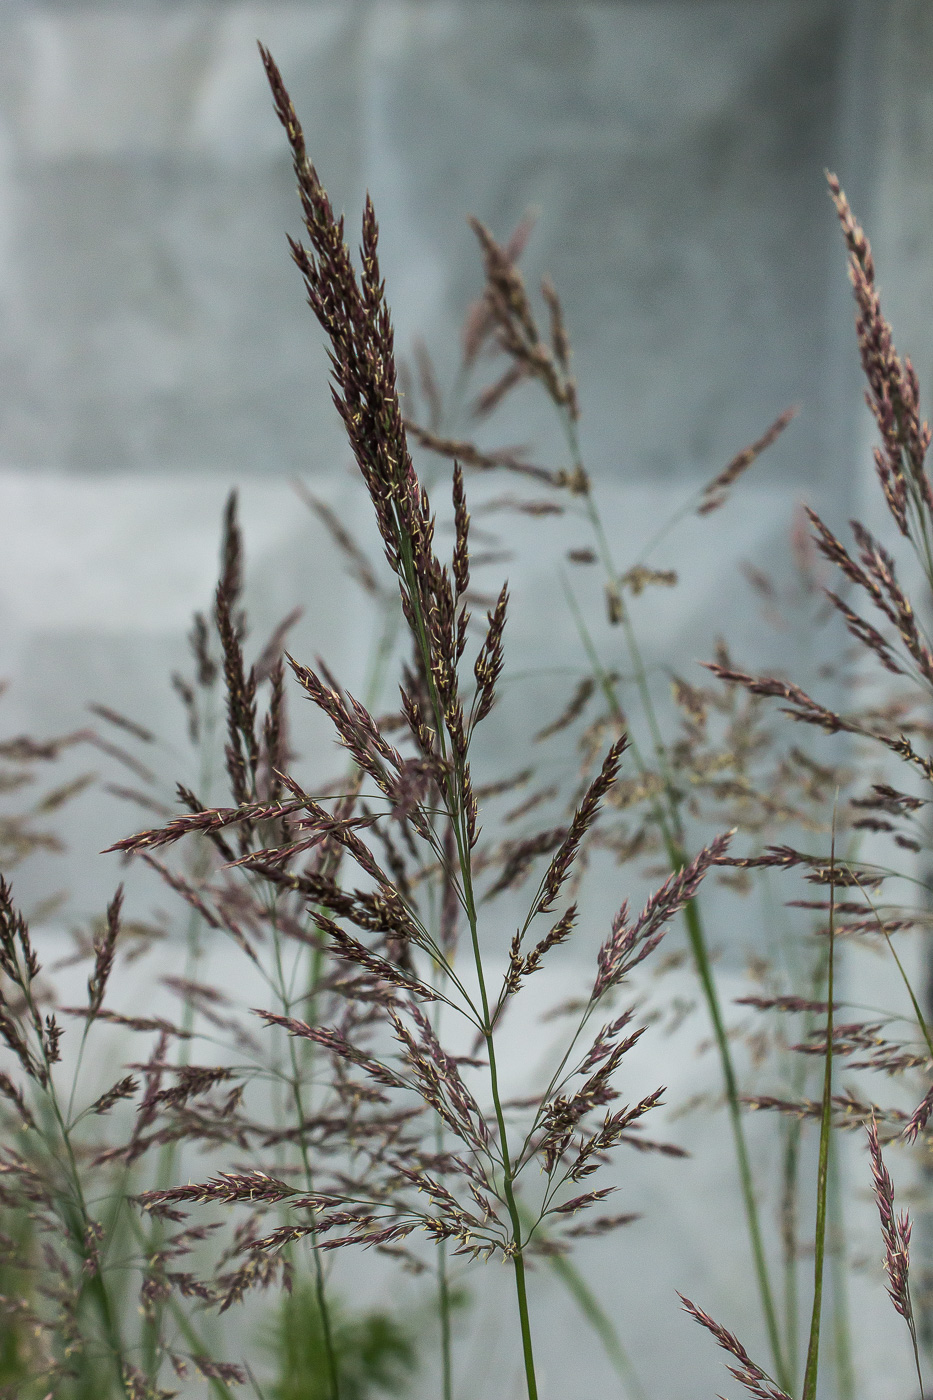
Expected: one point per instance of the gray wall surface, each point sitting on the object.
(155, 350)
(155, 344)
(674, 153)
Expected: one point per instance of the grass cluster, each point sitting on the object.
(352, 1094)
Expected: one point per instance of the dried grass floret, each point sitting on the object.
(748, 1373)
(716, 492)
(630, 943)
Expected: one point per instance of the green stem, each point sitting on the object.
(320, 1287)
(185, 1327)
(746, 1179)
(921, 1019)
(73, 1209)
(517, 1258)
(822, 1178)
(165, 1170)
(527, 1351)
(639, 670)
(669, 823)
(789, 1187)
(443, 1289)
(842, 1336)
(672, 831)
(511, 1204)
(790, 1191)
(77, 1219)
(443, 1282)
(457, 817)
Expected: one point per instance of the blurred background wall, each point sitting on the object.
(155, 349)
(155, 344)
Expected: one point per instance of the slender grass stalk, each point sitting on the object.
(73, 1206)
(391, 628)
(76, 1218)
(842, 1335)
(489, 1039)
(669, 823)
(791, 1188)
(594, 1313)
(443, 1291)
(443, 1281)
(822, 1179)
(509, 311)
(746, 1177)
(907, 1307)
(921, 1019)
(294, 1085)
(790, 1178)
(183, 1322)
(457, 816)
(194, 951)
(674, 841)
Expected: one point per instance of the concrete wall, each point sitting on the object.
(155, 343)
